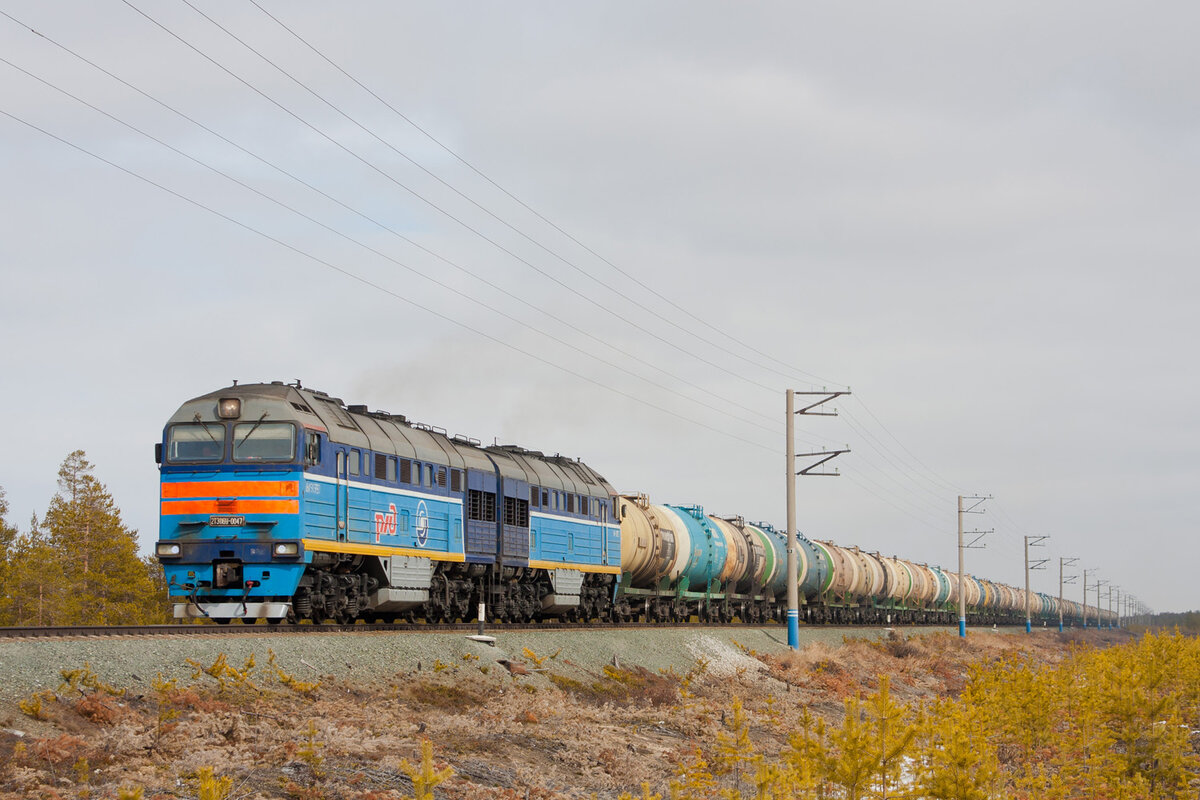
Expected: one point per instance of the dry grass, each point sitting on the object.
(559, 731)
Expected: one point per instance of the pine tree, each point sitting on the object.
(106, 581)
(806, 758)
(894, 733)
(8, 535)
(955, 760)
(34, 582)
(735, 752)
(7, 532)
(854, 757)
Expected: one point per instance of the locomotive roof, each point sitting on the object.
(356, 426)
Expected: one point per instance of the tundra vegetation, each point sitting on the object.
(1049, 717)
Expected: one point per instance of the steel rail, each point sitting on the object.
(210, 629)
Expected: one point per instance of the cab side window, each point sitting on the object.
(312, 447)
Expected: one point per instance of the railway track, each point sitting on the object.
(78, 631)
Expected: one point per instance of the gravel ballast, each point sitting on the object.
(29, 665)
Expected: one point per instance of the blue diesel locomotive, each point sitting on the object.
(281, 502)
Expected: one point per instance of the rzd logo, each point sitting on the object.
(385, 523)
(422, 524)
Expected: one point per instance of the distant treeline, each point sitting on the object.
(1186, 621)
(78, 564)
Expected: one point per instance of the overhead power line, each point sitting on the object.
(376, 251)
(436, 207)
(877, 444)
(794, 371)
(606, 285)
(491, 284)
(378, 287)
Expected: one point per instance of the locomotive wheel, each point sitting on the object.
(274, 620)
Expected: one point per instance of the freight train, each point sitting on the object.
(280, 502)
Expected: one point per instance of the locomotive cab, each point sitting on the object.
(231, 466)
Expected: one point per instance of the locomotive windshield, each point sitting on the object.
(264, 441)
(196, 443)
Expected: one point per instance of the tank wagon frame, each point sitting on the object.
(283, 503)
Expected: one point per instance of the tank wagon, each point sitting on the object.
(283, 503)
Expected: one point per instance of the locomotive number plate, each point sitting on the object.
(226, 520)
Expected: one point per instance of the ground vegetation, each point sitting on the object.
(1095, 715)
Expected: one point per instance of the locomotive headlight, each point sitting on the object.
(167, 549)
(287, 549)
(229, 407)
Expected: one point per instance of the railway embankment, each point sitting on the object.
(538, 713)
(29, 665)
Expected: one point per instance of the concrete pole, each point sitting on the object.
(1060, 597)
(962, 600)
(1028, 615)
(1085, 572)
(793, 563)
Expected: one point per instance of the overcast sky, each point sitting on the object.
(645, 221)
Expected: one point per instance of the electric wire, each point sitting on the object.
(859, 427)
(884, 493)
(454, 154)
(524, 205)
(438, 208)
(945, 483)
(872, 441)
(632, 356)
(392, 179)
(365, 246)
(862, 432)
(378, 287)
